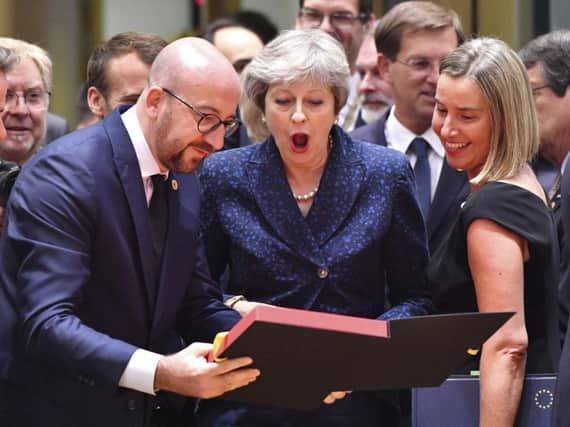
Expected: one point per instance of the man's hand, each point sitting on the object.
(188, 373)
(334, 396)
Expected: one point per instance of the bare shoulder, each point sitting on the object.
(526, 179)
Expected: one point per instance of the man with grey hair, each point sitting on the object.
(548, 64)
(103, 277)
(7, 60)
(27, 100)
(549, 72)
(547, 59)
(375, 92)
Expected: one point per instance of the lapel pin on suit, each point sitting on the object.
(174, 184)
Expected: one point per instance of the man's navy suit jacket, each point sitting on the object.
(76, 291)
(452, 188)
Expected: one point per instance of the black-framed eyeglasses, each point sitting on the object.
(537, 89)
(313, 18)
(208, 122)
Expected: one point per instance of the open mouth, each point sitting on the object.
(17, 129)
(451, 147)
(299, 142)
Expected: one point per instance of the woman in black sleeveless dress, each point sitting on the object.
(501, 255)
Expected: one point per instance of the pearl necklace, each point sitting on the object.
(306, 196)
(311, 194)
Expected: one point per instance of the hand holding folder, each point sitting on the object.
(303, 355)
(189, 373)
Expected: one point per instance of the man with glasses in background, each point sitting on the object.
(103, 277)
(347, 21)
(27, 101)
(412, 39)
(547, 59)
(24, 116)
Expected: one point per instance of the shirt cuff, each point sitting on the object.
(139, 373)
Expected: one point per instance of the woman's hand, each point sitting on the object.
(335, 395)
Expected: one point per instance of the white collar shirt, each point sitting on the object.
(400, 138)
(147, 163)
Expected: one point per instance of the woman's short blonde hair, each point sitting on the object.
(294, 56)
(22, 49)
(503, 80)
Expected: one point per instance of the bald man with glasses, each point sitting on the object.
(103, 277)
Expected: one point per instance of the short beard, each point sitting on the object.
(175, 161)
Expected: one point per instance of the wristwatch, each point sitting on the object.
(232, 301)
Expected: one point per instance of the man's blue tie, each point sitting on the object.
(423, 175)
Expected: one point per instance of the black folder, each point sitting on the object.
(304, 355)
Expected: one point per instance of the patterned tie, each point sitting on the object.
(554, 190)
(423, 175)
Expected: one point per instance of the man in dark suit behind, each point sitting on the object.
(56, 127)
(548, 64)
(411, 40)
(547, 59)
(102, 269)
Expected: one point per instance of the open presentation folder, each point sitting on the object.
(304, 355)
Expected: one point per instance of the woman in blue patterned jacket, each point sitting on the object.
(310, 218)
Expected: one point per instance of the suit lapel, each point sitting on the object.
(271, 191)
(339, 189)
(565, 201)
(128, 169)
(450, 186)
(373, 132)
(381, 127)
